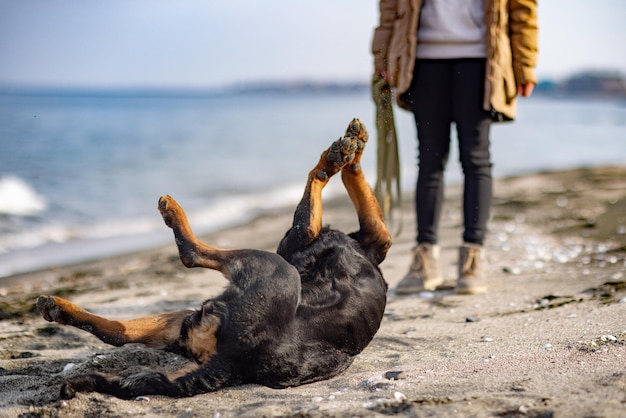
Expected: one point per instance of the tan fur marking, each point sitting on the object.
(368, 211)
(192, 367)
(202, 341)
(155, 331)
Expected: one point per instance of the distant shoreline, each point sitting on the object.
(602, 84)
(286, 88)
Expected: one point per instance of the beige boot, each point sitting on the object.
(472, 278)
(424, 273)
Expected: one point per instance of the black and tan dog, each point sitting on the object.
(285, 319)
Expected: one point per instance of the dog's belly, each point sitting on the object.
(324, 339)
(349, 314)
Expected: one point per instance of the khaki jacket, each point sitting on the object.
(511, 38)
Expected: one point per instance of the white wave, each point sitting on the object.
(18, 198)
(237, 209)
(48, 245)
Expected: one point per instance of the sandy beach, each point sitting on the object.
(547, 340)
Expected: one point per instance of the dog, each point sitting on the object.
(289, 318)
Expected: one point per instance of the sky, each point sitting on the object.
(208, 43)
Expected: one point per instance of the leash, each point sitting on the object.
(388, 160)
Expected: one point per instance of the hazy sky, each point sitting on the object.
(208, 43)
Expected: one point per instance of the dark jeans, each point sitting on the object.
(442, 92)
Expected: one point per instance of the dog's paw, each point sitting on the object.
(342, 152)
(348, 149)
(50, 310)
(169, 209)
(79, 383)
(357, 130)
(67, 390)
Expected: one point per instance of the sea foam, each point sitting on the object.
(18, 198)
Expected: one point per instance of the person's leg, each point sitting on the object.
(473, 123)
(431, 104)
(429, 96)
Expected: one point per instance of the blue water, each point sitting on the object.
(80, 176)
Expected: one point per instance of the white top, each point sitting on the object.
(451, 29)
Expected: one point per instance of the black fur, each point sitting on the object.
(286, 320)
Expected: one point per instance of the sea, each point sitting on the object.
(81, 173)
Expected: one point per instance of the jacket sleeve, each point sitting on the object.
(383, 33)
(523, 32)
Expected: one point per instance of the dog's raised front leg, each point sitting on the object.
(157, 331)
(307, 220)
(373, 234)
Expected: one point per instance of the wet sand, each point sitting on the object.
(548, 339)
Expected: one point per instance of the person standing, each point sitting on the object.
(461, 62)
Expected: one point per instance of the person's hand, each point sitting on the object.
(525, 90)
(381, 73)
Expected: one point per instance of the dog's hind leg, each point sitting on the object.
(240, 266)
(157, 331)
(307, 220)
(373, 235)
(193, 252)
